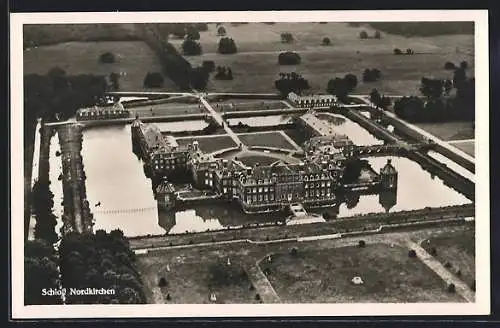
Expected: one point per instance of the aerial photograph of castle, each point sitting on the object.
(249, 162)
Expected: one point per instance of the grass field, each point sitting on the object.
(167, 109)
(255, 66)
(389, 275)
(266, 139)
(467, 147)
(261, 160)
(449, 131)
(211, 143)
(134, 58)
(192, 282)
(457, 248)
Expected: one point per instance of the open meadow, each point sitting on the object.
(134, 59)
(255, 67)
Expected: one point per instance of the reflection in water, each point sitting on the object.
(261, 120)
(181, 126)
(115, 178)
(354, 131)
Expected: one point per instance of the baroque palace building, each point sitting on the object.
(313, 182)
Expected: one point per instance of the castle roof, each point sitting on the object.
(388, 168)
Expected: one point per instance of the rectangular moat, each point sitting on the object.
(122, 197)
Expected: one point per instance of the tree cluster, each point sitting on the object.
(221, 31)
(371, 75)
(409, 29)
(341, 87)
(353, 169)
(289, 58)
(227, 46)
(192, 33)
(223, 73)
(364, 35)
(208, 65)
(114, 79)
(100, 260)
(198, 77)
(107, 58)
(191, 48)
(43, 203)
(40, 271)
(408, 51)
(378, 100)
(61, 94)
(286, 37)
(291, 82)
(326, 41)
(153, 80)
(451, 66)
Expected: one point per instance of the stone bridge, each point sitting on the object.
(387, 150)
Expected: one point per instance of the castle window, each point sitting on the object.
(254, 190)
(271, 197)
(265, 189)
(260, 198)
(260, 189)
(254, 198)
(265, 197)
(307, 194)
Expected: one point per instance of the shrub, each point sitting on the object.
(377, 35)
(287, 37)
(169, 297)
(433, 251)
(153, 80)
(162, 282)
(459, 273)
(449, 66)
(464, 65)
(294, 251)
(107, 58)
(251, 287)
(221, 31)
(363, 35)
(412, 253)
(257, 297)
(447, 265)
(361, 243)
(451, 288)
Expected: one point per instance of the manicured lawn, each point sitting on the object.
(261, 160)
(167, 109)
(133, 58)
(192, 282)
(245, 105)
(266, 139)
(457, 248)
(209, 144)
(324, 276)
(467, 146)
(449, 131)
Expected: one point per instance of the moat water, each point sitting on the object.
(115, 178)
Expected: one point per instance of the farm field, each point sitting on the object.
(133, 58)
(466, 146)
(255, 66)
(192, 282)
(449, 130)
(389, 275)
(273, 139)
(209, 143)
(456, 248)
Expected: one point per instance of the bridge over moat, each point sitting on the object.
(387, 150)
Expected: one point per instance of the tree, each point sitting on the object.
(107, 58)
(114, 79)
(464, 65)
(409, 51)
(209, 65)
(409, 108)
(153, 80)
(289, 58)
(448, 85)
(191, 47)
(201, 26)
(371, 75)
(433, 251)
(162, 282)
(397, 51)
(451, 288)
(294, 252)
(192, 33)
(431, 88)
(291, 82)
(221, 31)
(375, 97)
(449, 66)
(459, 76)
(326, 41)
(287, 37)
(224, 73)
(363, 35)
(178, 30)
(377, 35)
(361, 243)
(227, 46)
(412, 253)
